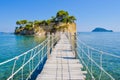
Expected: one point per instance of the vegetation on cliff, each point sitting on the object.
(52, 25)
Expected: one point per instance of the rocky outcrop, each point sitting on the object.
(70, 27)
(42, 30)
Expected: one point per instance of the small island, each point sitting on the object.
(62, 21)
(101, 30)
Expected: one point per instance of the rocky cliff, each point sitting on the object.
(69, 27)
(72, 28)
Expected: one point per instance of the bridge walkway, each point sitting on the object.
(62, 64)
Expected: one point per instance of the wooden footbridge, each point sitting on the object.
(56, 58)
(62, 64)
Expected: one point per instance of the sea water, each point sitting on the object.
(103, 41)
(13, 45)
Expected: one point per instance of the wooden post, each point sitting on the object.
(59, 36)
(75, 45)
(48, 45)
(68, 35)
(71, 40)
(52, 40)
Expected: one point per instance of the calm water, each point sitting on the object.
(12, 45)
(108, 42)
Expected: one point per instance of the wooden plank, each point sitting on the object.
(62, 64)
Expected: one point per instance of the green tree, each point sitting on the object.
(72, 19)
(61, 15)
(21, 22)
(16, 28)
(28, 26)
(18, 23)
(53, 19)
(20, 27)
(30, 22)
(43, 23)
(69, 19)
(37, 23)
(48, 22)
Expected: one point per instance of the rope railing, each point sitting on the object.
(99, 66)
(97, 63)
(24, 65)
(97, 49)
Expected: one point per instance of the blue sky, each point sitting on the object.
(89, 13)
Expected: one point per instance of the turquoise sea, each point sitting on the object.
(105, 41)
(12, 45)
(108, 43)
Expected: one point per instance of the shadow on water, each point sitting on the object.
(14, 45)
(38, 70)
(40, 67)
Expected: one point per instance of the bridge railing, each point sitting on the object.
(100, 65)
(23, 66)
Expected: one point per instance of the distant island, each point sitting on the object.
(3, 32)
(101, 30)
(6, 33)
